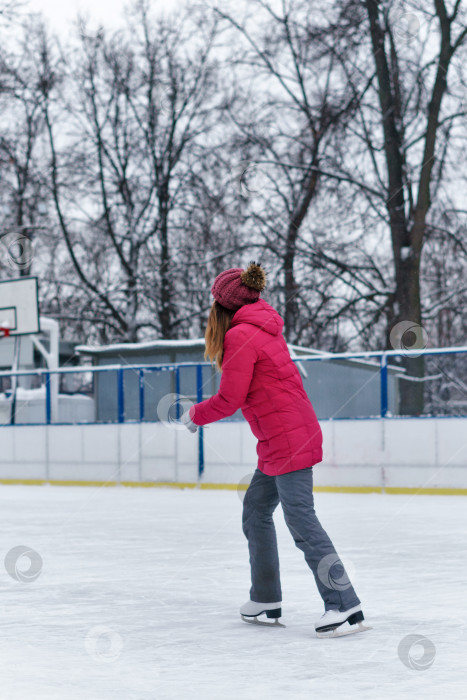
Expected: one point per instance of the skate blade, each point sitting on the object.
(255, 621)
(343, 631)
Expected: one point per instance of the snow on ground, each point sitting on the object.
(139, 590)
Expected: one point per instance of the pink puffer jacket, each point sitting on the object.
(259, 377)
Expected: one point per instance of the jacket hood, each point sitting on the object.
(259, 314)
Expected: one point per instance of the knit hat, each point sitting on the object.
(235, 287)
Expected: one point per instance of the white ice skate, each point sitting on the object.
(250, 611)
(338, 624)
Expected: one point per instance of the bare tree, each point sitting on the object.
(134, 111)
(23, 191)
(288, 125)
(398, 155)
(177, 148)
(410, 189)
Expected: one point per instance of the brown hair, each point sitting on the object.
(218, 324)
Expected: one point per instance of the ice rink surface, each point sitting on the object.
(136, 594)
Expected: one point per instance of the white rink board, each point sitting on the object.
(395, 453)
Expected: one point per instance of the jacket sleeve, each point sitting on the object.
(238, 364)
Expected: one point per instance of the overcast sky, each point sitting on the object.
(61, 13)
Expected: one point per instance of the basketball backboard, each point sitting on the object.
(19, 306)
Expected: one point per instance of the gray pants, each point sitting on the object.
(294, 490)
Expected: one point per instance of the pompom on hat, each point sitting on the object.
(235, 287)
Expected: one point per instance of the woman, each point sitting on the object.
(244, 338)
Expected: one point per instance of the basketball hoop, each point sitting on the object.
(19, 308)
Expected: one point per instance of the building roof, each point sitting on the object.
(138, 347)
(296, 351)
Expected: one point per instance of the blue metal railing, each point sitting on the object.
(141, 394)
(142, 370)
(199, 398)
(384, 385)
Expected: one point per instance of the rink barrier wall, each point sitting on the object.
(395, 455)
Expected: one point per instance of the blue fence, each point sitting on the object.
(344, 385)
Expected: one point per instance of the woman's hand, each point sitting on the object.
(188, 423)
